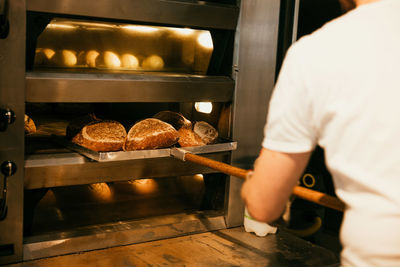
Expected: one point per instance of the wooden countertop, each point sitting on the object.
(228, 247)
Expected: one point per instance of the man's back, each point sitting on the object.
(344, 86)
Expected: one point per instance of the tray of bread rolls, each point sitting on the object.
(108, 140)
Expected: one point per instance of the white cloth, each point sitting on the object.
(340, 88)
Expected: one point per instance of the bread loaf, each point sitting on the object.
(153, 62)
(101, 136)
(207, 133)
(29, 125)
(111, 60)
(189, 138)
(150, 134)
(177, 120)
(43, 56)
(64, 58)
(129, 61)
(91, 57)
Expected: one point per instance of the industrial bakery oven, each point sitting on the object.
(118, 60)
(125, 60)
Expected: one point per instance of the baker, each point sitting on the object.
(340, 88)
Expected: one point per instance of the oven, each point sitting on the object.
(126, 60)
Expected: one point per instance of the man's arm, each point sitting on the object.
(275, 175)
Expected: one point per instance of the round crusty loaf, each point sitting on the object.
(151, 134)
(206, 132)
(189, 138)
(101, 136)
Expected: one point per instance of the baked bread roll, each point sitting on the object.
(174, 118)
(43, 56)
(49, 53)
(111, 60)
(40, 57)
(91, 57)
(207, 133)
(129, 61)
(101, 136)
(101, 192)
(81, 58)
(150, 134)
(189, 138)
(65, 58)
(153, 62)
(29, 125)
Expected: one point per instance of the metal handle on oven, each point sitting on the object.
(7, 116)
(8, 168)
(4, 23)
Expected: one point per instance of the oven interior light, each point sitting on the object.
(204, 39)
(72, 24)
(95, 24)
(183, 31)
(143, 29)
(60, 26)
(96, 29)
(203, 107)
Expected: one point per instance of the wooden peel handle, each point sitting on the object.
(318, 198)
(216, 165)
(302, 192)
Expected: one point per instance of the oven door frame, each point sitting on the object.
(12, 96)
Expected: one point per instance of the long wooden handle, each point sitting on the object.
(302, 192)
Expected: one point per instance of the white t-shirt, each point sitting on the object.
(340, 88)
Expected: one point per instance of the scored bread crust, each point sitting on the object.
(207, 133)
(101, 136)
(187, 138)
(151, 134)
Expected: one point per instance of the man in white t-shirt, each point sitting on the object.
(340, 88)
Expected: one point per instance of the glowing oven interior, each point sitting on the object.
(89, 45)
(78, 47)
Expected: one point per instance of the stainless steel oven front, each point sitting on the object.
(124, 60)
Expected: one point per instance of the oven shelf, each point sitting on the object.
(50, 162)
(121, 233)
(219, 146)
(64, 169)
(100, 87)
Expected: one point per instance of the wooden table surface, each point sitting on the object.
(228, 247)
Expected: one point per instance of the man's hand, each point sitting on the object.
(275, 174)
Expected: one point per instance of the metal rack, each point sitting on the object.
(182, 12)
(108, 87)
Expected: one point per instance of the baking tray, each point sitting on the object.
(221, 146)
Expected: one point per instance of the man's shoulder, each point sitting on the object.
(333, 38)
(354, 24)
(330, 33)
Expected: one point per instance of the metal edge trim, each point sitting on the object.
(187, 13)
(125, 234)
